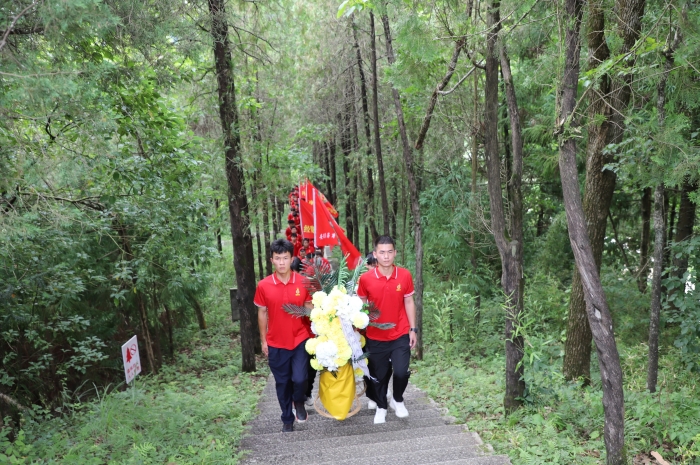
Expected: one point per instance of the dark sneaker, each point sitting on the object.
(287, 427)
(302, 416)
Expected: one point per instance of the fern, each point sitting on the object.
(373, 311)
(319, 277)
(296, 310)
(382, 325)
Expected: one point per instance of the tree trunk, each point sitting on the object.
(219, 246)
(415, 196)
(197, 311)
(473, 199)
(169, 321)
(369, 216)
(328, 159)
(644, 243)
(266, 231)
(510, 251)
(655, 308)
(513, 277)
(377, 140)
(684, 226)
(660, 204)
(600, 320)
(611, 100)
(354, 165)
(344, 119)
(599, 187)
(237, 200)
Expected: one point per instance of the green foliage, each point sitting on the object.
(560, 422)
(193, 412)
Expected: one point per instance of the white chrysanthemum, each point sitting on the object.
(360, 320)
(326, 353)
(355, 304)
(313, 328)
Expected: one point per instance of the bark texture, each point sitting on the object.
(655, 308)
(415, 195)
(375, 114)
(684, 226)
(645, 239)
(660, 206)
(600, 320)
(606, 110)
(370, 221)
(235, 177)
(509, 248)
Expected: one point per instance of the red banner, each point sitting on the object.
(306, 191)
(306, 215)
(323, 222)
(336, 235)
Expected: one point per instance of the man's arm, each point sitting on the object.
(262, 324)
(309, 305)
(411, 314)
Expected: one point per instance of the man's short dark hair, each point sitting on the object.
(281, 246)
(305, 239)
(318, 252)
(384, 240)
(370, 260)
(291, 222)
(295, 235)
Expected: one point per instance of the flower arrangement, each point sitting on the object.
(330, 349)
(338, 312)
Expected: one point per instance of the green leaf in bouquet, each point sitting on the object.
(296, 310)
(382, 325)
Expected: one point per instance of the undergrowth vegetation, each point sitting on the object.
(561, 422)
(192, 412)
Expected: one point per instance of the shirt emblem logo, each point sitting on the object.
(398, 288)
(298, 293)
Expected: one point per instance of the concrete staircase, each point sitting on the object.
(425, 437)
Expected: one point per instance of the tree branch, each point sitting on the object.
(433, 98)
(7, 31)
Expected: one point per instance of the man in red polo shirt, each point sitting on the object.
(390, 288)
(283, 336)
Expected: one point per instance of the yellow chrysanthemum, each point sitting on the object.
(363, 341)
(359, 373)
(315, 365)
(311, 345)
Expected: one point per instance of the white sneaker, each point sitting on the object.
(309, 402)
(380, 416)
(399, 408)
(371, 405)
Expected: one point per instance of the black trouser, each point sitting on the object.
(290, 372)
(383, 357)
(310, 380)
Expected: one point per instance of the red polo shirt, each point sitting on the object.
(387, 293)
(284, 331)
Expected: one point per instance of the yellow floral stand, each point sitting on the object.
(338, 395)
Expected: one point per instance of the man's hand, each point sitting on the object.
(412, 339)
(266, 351)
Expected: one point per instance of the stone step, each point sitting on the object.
(319, 422)
(405, 455)
(272, 398)
(415, 402)
(336, 429)
(273, 412)
(270, 387)
(307, 453)
(485, 460)
(282, 446)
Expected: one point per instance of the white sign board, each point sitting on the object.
(132, 361)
